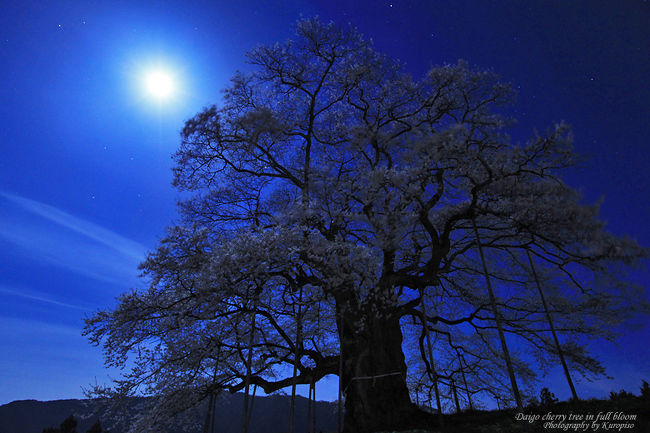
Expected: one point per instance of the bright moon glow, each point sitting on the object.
(159, 84)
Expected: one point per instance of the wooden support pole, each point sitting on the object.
(434, 374)
(249, 366)
(308, 410)
(252, 403)
(214, 418)
(453, 389)
(462, 372)
(340, 402)
(550, 324)
(212, 401)
(208, 417)
(313, 410)
(292, 409)
(497, 318)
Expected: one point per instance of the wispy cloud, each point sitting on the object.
(59, 238)
(36, 329)
(40, 297)
(93, 231)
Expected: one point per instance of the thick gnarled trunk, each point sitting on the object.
(374, 377)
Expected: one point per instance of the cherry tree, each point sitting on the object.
(334, 214)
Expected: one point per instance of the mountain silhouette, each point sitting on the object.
(270, 415)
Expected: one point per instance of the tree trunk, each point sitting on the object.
(374, 377)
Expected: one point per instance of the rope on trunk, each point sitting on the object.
(397, 373)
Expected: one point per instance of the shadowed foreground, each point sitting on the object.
(271, 416)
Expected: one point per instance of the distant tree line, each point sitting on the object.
(69, 425)
(547, 398)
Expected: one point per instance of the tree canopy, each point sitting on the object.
(334, 211)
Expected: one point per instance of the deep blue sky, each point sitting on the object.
(85, 168)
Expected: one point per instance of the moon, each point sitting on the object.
(159, 84)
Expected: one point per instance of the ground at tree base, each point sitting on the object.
(504, 421)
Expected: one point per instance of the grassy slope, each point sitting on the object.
(504, 421)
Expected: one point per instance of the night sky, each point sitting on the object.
(85, 180)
